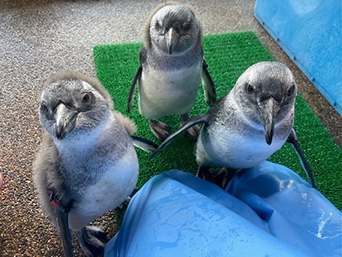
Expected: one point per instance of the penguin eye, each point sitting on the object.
(250, 88)
(44, 108)
(291, 90)
(157, 26)
(86, 98)
(186, 26)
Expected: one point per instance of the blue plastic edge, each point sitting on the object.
(292, 56)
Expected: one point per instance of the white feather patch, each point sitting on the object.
(115, 185)
(168, 92)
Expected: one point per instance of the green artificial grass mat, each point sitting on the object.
(228, 56)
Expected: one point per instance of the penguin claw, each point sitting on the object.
(203, 172)
(159, 129)
(92, 240)
(193, 132)
(222, 178)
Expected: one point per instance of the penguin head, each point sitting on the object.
(174, 29)
(72, 104)
(267, 93)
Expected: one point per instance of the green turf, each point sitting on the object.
(228, 56)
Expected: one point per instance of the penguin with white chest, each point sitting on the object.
(171, 67)
(87, 164)
(248, 125)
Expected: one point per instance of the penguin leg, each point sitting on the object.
(125, 204)
(159, 129)
(92, 240)
(224, 176)
(192, 132)
(203, 172)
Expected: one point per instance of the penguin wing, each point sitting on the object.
(208, 85)
(144, 144)
(142, 59)
(292, 139)
(191, 123)
(63, 225)
(132, 91)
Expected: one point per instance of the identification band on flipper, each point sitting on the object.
(63, 223)
(58, 205)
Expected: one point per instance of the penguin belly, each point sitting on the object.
(224, 148)
(113, 188)
(163, 93)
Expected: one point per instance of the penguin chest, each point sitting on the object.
(167, 92)
(113, 188)
(225, 148)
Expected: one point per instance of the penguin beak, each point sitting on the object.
(268, 111)
(172, 38)
(65, 120)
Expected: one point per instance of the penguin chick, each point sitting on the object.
(171, 67)
(87, 163)
(249, 124)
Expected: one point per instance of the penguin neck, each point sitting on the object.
(161, 53)
(83, 143)
(181, 57)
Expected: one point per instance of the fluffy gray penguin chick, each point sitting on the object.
(171, 67)
(249, 124)
(87, 163)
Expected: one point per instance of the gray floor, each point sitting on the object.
(38, 38)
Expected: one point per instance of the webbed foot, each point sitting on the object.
(224, 176)
(192, 132)
(92, 240)
(159, 129)
(221, 179)
(203, 172)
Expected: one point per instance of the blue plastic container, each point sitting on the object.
(269, 211)
(310, 32)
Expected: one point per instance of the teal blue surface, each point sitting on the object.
(310, 32)
(268, 210)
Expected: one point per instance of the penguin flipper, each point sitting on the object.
(191, 123)
(293, 139)
(63, 225)
(133, 86)
(208, 86)
(144, 144)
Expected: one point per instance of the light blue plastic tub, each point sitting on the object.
(269, 211)
(310, 32)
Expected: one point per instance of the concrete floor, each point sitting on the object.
(38, 38)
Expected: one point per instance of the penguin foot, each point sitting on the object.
(224, 176)
(192, 132)
(125, 204)
(92, 240)
(159, 129)
(203, 172)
